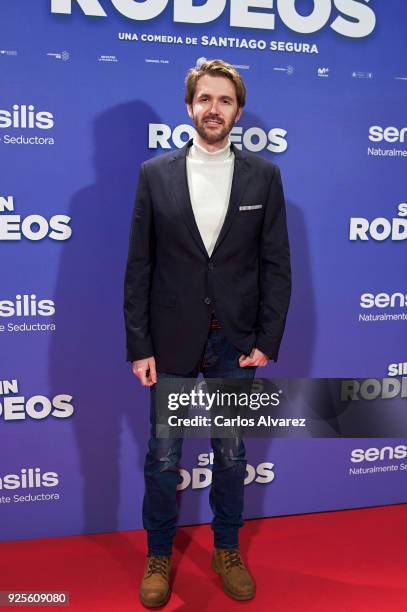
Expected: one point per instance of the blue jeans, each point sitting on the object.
(161, 469)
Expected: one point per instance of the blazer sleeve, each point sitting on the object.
(275, 271)
(139, 268)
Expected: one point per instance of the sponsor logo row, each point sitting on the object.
(274, 46)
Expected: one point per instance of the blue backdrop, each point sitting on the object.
(84, 100)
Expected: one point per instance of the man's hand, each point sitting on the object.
(145, 371)
(256, 358)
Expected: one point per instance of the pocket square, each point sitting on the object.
(253, 207)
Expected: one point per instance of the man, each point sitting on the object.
(207, 290)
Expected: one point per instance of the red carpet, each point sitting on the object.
(349, 561)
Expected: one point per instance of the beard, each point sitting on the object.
(213, 135)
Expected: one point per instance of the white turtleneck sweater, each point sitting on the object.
(209, 180)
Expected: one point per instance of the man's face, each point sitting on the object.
(214, 109)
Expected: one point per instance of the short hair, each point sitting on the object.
(215, 68)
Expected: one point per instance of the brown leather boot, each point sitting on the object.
(237, 581)
(155, 587)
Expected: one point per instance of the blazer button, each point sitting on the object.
(210, 266)
(207, 300)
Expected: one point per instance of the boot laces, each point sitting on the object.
(157, 565)
(232, 558)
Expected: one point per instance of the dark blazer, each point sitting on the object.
(172, 286)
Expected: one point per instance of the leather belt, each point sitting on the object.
(215, 324)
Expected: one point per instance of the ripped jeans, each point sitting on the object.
(161, 468)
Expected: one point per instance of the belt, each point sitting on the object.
(215, 324)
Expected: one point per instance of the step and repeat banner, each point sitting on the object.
(90, 89)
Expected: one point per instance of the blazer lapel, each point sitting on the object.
(181, 195)
(239, 184)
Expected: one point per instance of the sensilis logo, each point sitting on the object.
(383, 300)
(388, 134)
(379, 454)
(25, 117)
(383, 306)
(352, 18)
(28, 478)
(26, 306)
